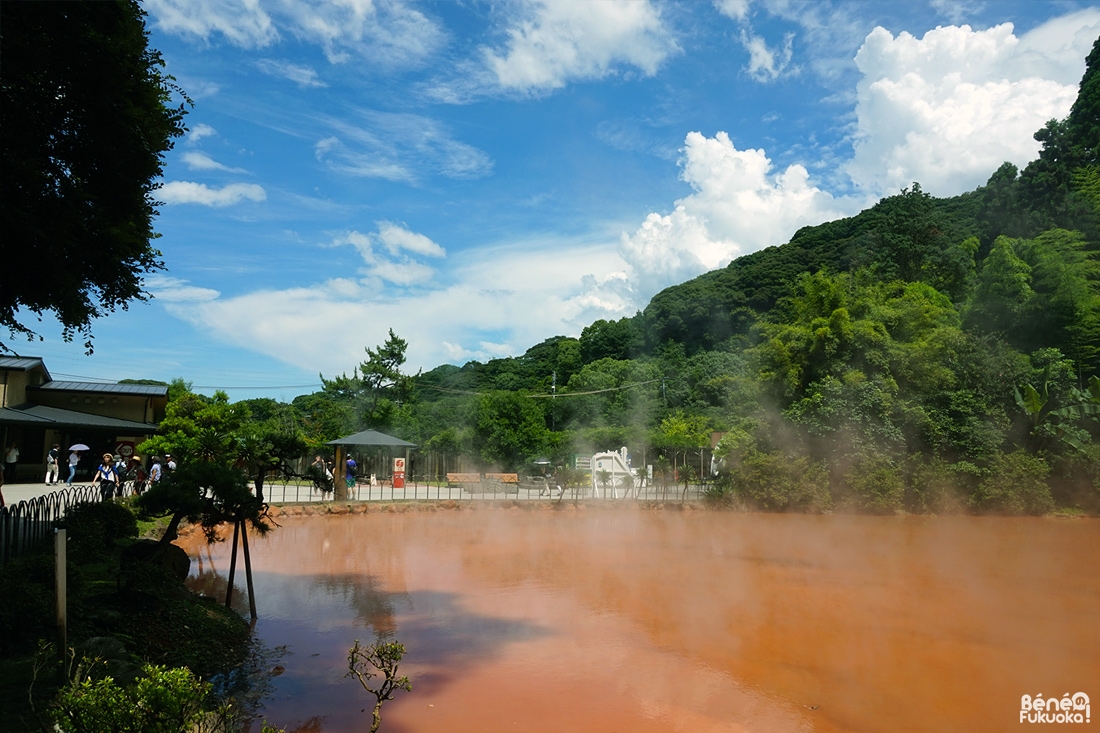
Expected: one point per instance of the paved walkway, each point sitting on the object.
(15, 493)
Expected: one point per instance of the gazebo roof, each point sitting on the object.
(372, 437)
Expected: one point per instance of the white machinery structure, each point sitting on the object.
(620, 477)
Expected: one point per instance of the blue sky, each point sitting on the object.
(482, 176)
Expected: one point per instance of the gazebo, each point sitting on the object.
(368, 439)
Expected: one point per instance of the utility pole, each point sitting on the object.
(553, 401)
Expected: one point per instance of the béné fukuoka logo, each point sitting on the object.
(1068, 709)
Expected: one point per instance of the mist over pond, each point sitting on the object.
(603, 619)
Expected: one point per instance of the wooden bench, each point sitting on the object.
(504, 478)
(460, 479)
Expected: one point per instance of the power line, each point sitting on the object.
(103, 380)
(540, 396)
(279, 386)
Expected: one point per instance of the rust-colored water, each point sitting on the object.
(635, 621)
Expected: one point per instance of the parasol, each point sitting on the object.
(79, 446)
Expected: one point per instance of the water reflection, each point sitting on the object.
(657, 621)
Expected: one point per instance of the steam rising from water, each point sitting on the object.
(625, 619)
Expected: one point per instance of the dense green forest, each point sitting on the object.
(925, 355)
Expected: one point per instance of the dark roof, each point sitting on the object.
(22, 363)
(372, 437)
(43, 416)
(143, 390)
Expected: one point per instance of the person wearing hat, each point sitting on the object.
(107, 476)
(137, 474)
(53, 462)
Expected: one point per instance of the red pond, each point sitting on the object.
(639, 620)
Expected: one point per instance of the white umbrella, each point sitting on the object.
(79, 446)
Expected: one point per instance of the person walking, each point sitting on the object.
(74, 458)
(156, 473)
(11, 458)
(107, 476)
(351, 470)
(137, 475)
(52, 467)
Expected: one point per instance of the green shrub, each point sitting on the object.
(874, 484)
(934, 485)
(163, 700)
(94, 527)
(27, 609)
(778, 482)
(1075, 479)
(1016, 484)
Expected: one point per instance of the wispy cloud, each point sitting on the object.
(400, 147)
(197, 161)
(392, 255)
(549, 44)
(381, 32)
(303, 76)
(244, 24)
(174, 290)
(767, 64)
(188, 192)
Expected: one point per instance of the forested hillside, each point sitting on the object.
(926, 354)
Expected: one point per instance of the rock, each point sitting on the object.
(171, 557)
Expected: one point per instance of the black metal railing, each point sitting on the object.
(31, 522)
(419, 489)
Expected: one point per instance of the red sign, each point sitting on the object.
(398, 473)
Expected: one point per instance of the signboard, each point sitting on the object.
(398, 473)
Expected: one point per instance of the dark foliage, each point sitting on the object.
(87, 116)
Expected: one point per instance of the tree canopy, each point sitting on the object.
(87, 115)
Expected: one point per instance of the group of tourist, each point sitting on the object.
(110, 474)
(321, 473)
(113, 471)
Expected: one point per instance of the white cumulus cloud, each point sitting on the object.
(739, 205)
(188, 192)
(947, 109)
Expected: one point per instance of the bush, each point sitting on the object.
(94, 527)
(1016, 484)
(778, 482)
(28, 608)
(1075, 479)
(936, 486)
(163, 700)
(874, 484)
